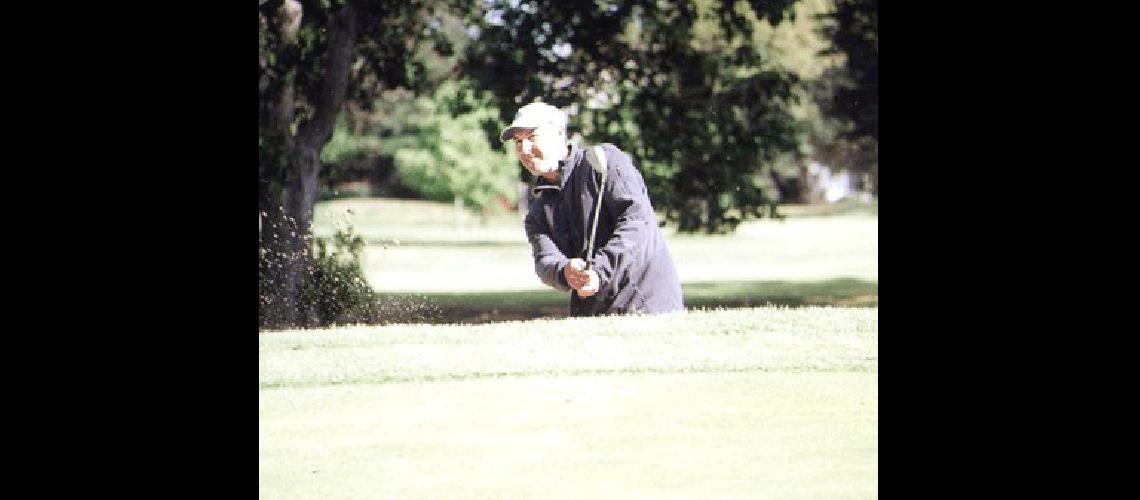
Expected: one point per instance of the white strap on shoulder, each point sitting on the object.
(597, 158)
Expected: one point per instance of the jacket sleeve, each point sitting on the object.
(627, 198)
(548, 259)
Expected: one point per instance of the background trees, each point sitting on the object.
(853, 93)
(679, 85)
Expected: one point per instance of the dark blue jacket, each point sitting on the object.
(630, 256)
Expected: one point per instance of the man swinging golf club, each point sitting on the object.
(591, 226)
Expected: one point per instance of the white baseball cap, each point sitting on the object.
(532, 116)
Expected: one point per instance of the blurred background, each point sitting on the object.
(386, 196)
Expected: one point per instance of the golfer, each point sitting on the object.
(630, 269)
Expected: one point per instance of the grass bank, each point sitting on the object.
(475, 272)
(757, 402)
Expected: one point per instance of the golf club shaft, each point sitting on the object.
(594, 230)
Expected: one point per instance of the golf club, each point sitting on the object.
(597, 158)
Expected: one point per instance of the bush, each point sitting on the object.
(336, 291)
(446, 156)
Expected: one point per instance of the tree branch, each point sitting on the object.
(316, 131)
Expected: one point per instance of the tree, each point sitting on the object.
(448, 158)
(678, 84)
(854, 32)
(313, 55)
(438, 142)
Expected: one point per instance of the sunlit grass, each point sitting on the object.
(769, 338)
(417, 246)
(760, 403)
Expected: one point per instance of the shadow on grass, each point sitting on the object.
(846, 207)
(385, 242)
(487, 307)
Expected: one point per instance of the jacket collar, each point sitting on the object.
(565, 168)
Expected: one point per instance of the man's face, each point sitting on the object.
(540, 149)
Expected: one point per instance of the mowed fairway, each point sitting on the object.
(418, 246)
(485, 272)
(745, 403)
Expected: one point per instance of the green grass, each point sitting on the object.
(479, 307)
(759, 402)
(818, 255)
(845, 207)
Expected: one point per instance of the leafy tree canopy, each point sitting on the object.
(678, 84)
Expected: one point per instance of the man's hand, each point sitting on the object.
(585, 282)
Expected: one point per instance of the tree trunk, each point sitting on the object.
(301, 191)
(301, 160)
(712, 214)
(278, 250)
(806, 187)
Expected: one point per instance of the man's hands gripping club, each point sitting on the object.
(584, 281)
(579, 274)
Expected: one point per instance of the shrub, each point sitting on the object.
(336, 291)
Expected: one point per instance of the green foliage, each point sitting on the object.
(336, 291)
(850, 94)
(437, 141)
(344, 145)
(397, 43)
(854, 32)
(677, 84)
(389, 33)
(439, 145)
(445, 154)
(314, 58)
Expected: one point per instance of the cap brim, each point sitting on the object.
(509, 131)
